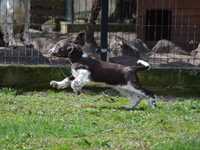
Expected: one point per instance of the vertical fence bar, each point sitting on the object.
(69, 10)
(104, 29)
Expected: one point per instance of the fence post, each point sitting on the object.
(104, 29)
(69, 10)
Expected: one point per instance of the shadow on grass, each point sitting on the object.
(89, 90)
(114, 108)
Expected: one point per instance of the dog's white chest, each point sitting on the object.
(81, 74)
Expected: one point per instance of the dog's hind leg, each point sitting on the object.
(136, 94)
(62, 84)
(134, 101)
(150, 97)
(134, 98)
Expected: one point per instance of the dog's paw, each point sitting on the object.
(152, 103)
(77, 92)
(54, 84)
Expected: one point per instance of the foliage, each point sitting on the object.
(62, 120)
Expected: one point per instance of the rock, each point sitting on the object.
(140, 46)
(196, 52)
(165, 46)
(49, 25)
(119, 47)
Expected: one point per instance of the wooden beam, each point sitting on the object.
(112, 27)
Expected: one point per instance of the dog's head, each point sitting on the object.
(67, 50)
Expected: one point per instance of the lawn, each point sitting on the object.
(61, 120)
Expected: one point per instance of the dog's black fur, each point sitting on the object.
(123, 78)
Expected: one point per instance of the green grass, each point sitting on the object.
(63, 121)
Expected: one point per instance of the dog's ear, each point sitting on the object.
(75, 52)
(80, 39)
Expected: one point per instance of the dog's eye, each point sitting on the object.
(62, 49)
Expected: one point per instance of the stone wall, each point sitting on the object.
(171, 82)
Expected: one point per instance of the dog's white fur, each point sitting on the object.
(142, 62)
(61, 84)
(82, 77)
(134, 95)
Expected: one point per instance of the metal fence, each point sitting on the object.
(170, 28)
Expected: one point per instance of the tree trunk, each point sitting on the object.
(96, 7)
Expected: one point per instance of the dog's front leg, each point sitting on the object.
(82, 77)
(133, 98)
(62, 84)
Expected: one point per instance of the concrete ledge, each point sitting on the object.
(175, 82)
(30, 76)
(113, 27)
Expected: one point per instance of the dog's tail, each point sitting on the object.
(142, 65)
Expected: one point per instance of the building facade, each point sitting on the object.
(175, 20)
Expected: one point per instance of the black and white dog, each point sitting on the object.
(85, 69)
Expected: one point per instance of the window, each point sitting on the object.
(158, 24)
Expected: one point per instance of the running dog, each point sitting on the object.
(85, 69)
